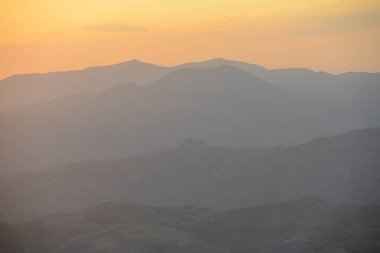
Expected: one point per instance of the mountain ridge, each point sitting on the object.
(21, 91)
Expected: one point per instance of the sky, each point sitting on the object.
(53, 35)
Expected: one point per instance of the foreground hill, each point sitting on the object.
(343, 168)
(306, 225)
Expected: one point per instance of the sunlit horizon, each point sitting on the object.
(80, 68)
(39, 36)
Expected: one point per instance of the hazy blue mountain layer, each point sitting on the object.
(343, 168)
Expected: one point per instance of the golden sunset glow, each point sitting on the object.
(49, 35)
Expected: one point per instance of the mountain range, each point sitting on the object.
(133, 108)
(218, 156)
(24, 89)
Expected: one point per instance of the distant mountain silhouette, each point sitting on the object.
(25, 89)
(28, 89)
(307, 225)
(341, 86)
(343, 168)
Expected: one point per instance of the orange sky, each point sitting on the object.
(49, 35)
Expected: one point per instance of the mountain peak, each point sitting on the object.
(137, 62)
(218, 59)
(133, 61)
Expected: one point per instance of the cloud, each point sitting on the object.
(114, 27)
